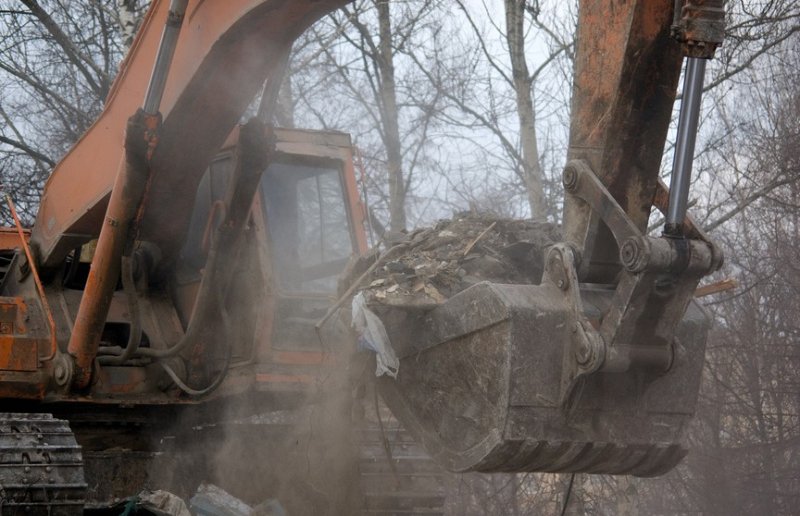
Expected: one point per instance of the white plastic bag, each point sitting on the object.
(373, 336)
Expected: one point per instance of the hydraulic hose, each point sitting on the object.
(252, 158)
(208, 298)
(225, 366)
(135, 334)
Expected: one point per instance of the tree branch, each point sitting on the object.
(27, 150)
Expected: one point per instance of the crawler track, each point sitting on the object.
(41, 467)
(404, 481)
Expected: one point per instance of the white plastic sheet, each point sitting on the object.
(373, 336)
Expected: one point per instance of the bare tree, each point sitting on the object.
(746, 440)
(523, 86)
(57, 62)
(355, 61)
(491, 89)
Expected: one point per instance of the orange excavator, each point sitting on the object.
(180, 260)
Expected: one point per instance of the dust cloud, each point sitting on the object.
(298, 448)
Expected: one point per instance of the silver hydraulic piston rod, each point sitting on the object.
(166, 49)
(684, 145)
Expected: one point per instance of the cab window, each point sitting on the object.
(307, 216)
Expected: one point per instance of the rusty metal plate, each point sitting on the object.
(9, 307)
(18, 354)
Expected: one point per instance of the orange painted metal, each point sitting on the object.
(357, 209)
(129, 188)
(51, 323)
(284, 378)
(122, 380)
(224, 53)
(626, 74)
(9, 238)
(16, 353)
(22, 385)
(20, 374)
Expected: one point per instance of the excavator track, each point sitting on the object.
(41, 466)
(403, 481)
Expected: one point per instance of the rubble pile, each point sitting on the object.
(436, 263)
(209, 500)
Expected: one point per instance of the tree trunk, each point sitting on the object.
(523, 85)
(284, 109)
(128, 22)
(391, 130)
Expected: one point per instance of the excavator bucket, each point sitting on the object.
(507, 362)
(480, 385)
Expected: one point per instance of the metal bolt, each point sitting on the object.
(631, 255)
(60, 372)
(628, 252)
(569, 178)
(583, 353)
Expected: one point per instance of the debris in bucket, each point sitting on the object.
(436, 263)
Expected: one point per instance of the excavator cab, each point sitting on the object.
(307, 223)
(314, 223)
